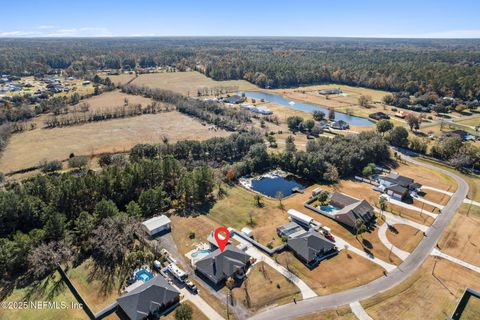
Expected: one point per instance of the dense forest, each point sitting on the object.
(446, 67)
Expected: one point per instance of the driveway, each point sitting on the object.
(306, 291)
(406, 269)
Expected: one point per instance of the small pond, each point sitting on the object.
(270, 184)
(307, 107)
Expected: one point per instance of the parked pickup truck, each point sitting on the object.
(191, 286)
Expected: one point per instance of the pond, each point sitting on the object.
(307, 107)
(270, 184)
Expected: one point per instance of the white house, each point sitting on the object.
(157, 225)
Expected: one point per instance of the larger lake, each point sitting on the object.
(307, 107)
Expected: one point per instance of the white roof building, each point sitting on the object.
(157, 224)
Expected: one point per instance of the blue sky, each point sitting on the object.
(344, 18)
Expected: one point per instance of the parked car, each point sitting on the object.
(191, 286)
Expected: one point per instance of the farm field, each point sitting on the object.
(120, 79)
(187, 82)
(340, 272)
(405, 237)
(427, 294)
(263, 287)
(114, 99)
(28, 148)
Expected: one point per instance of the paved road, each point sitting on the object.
(413, 261)
(465, 264)
(359, 312)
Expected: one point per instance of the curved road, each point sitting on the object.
(395, 277)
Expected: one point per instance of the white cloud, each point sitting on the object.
(50, 31)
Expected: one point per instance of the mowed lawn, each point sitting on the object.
(188, 82)
(233, 211)
(340, 272)
(263, 287)
(28, 148)
(428, 294)
(404, 237)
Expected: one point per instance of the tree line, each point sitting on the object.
(76, 118)
(446, 67)
(212, 112)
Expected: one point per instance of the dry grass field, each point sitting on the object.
(462, 239)
(114, 99)
(340, 272)
(264, 287)
(28, 148)
(120, 79)
(424, 295)
(405, 237)
(340, 313)
(188, 82)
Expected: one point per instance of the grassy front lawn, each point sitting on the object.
(405, 238)
(343, 271)
(263, 287)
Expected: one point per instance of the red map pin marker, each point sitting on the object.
(221, 239)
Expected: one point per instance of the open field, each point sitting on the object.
(423, 295)
(53, 290)
(97, 292)
(114, 99)
(120, 79)
(188, 82)
(473, 180)
(233, 211)
(201, 226)
(405, 238)
(340, 272)
(264, 287)
(28, 148)
(461, 239)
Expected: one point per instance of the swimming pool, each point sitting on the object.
(143, 275)
(329, 208)
(201, 253)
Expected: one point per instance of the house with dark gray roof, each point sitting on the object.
(151, 298)
(311, 247)
(349, 210)
(218, 266)
(397, 186)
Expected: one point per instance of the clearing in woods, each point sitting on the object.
(187, 82)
